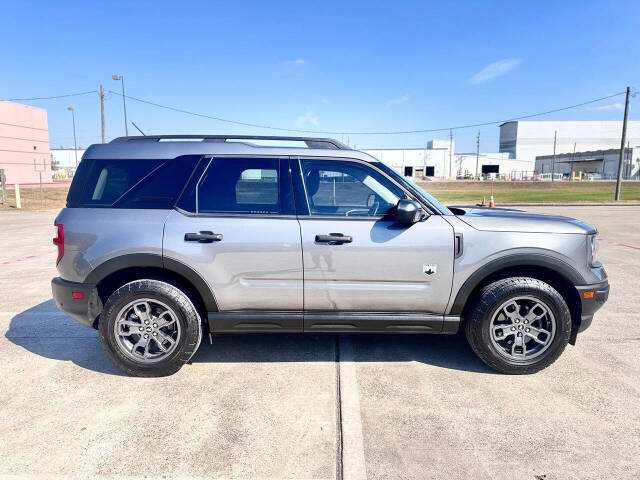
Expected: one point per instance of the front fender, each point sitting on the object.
(528, 259)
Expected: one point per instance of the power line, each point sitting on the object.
(47, 98)
(399, 132)
(326, 132)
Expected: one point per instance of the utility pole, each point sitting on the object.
(477, 152)
(450, 149)
(102, 111)
(624, 140)
(553, 161)
(75, 143)
(571, 165)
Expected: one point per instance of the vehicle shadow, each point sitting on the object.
(44, 331)
(47, 332)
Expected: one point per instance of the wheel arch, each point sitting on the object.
(114, 273)
(560, 275)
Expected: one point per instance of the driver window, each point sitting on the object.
(347, 189)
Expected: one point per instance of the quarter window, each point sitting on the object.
(110, 179)
(340, 188)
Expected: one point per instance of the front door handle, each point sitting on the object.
(336, 238)
(203, 237)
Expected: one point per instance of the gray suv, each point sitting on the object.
(166, 239)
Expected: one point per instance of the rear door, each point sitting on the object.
(358, 259)
(236, 227)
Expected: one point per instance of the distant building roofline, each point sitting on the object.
(566, 121)
(588, 153)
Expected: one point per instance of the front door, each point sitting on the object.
(236, 227)
(359, 262)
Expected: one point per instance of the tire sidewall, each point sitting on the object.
(491, 298)
(175, 299)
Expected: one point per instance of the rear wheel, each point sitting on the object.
(149, 328)
(518, 325)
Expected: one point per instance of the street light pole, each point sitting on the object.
(102, 112)
(124, 102)
(75, 143)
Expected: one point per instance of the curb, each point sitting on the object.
(576, 204)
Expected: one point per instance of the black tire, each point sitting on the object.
(173, 297)
(478, 317)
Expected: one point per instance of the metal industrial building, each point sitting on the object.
(596, 164)
(439, 160)
(435, 160)
(526, 140)
(24, 143)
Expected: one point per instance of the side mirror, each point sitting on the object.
(409, 211)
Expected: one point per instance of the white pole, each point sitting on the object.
(17, 190)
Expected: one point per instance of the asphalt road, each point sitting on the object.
(316, 406)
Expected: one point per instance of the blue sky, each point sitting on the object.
(343, 66)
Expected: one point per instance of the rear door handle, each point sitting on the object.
(334, 238)
(203, 237)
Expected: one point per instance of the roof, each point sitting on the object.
(171, 146)
(590, 154)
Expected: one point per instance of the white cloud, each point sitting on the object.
(608, 107)
(308, 118)
(398, 101)
(494, 70)
(297, 61)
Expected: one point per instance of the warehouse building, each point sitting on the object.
(435, 160)
(24, 143)
(526, 140)
(596, 164)
(494, 165)
(439, 160)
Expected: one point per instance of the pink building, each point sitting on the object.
(24, 143)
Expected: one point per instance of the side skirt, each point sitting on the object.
(319, 321)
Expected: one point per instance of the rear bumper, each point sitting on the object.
(591, 303)
(84, 310)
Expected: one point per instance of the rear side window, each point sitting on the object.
(110, 179)
(240, 185)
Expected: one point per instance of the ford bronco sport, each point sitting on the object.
(166, 239)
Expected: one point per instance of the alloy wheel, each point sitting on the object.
(147, 330)
(522, 328)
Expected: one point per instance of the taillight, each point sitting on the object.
(59, 240)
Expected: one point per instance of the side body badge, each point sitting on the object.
(430, 269)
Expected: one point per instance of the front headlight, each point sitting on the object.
(592, 251)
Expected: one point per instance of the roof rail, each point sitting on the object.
(311, 142)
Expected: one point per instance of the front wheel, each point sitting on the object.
(518, 325)
(149, 328)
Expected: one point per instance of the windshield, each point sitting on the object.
(414, 188)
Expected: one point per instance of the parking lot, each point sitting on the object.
(316, 406)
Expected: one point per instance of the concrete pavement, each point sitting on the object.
(316, 406)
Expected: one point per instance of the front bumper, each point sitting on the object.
(84, 310)
(592, 298)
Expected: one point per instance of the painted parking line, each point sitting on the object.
(25, 258)
(353, 462)
(617, 244)
(628, 246)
